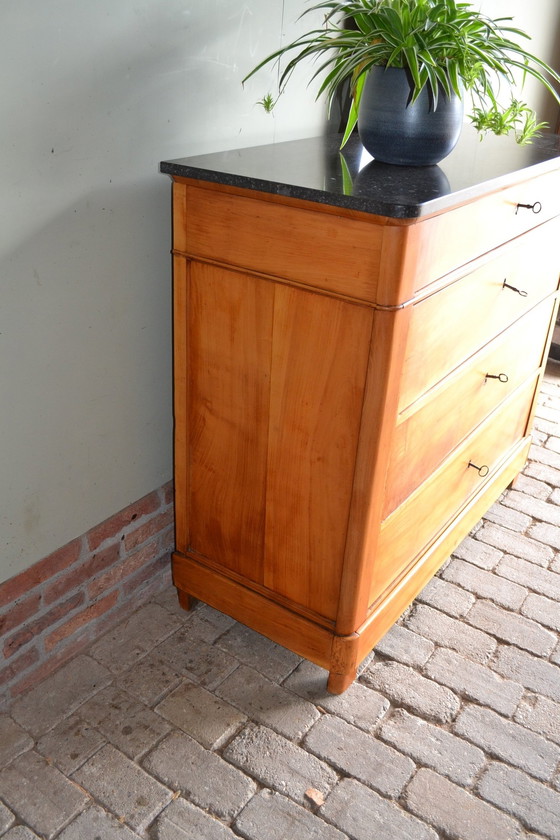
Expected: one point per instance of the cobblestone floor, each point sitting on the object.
(188, 726)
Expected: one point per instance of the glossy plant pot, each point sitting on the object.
(394, 130)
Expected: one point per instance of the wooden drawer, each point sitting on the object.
(450, 240)
(323, 250)
(449, 326)
(439, 421)
(411, 528)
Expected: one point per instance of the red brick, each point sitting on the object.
(113, 526)
(167, 492)
(148, 529)
(83, 573)
(167, 540)
(16, 666)
(123, 569)
(52, 663)
(19, 613)
(119, 613)
(147, 573)
(79, 621)
(39, 572)
(35, 628)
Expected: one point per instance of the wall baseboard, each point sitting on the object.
(66, 600)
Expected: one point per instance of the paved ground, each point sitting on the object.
(181, 726)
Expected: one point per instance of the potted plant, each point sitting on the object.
(409, 65)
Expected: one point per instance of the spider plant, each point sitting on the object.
(449, 46)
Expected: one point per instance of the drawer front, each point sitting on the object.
(318, 249)
(427, 433)
(449, 326)
(450, 240)
(411, 528)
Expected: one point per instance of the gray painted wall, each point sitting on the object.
(93, 94)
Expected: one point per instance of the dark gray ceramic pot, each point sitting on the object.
(395, 131)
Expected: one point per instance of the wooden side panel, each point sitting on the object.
(319, 363)
(230, 319)
(329, 252)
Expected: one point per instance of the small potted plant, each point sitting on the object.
(409, 66)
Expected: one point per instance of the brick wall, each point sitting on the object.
(61, 603)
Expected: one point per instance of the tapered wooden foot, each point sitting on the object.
(185, 599)
(338, 683)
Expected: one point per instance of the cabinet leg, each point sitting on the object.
(185, 599)
(338, 683)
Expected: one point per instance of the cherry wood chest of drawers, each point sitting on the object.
(355, 376)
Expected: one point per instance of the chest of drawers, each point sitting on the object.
(354, 387)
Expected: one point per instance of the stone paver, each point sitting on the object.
(405, 646)
(447, 597)
(508, 517)
(360, 755)
(532, 672)
(196, 659)
(97, 824)
(452, 633)
(517, 544)
(268, 703)
(509, 741)
(121, 648)
(188, 726)
(59, 695)
(474, 681)
(405, 687)
(13, 740)
(266, 657)
(123, 787)
(433, 747)
(279, 764)
(21, 832)
(182, 820)
(540, 714)
(272, 816)
(480, 554)
(6, 818)
(514, 792)
(70, 744)
(543, 610)
(150, 679)
(39, 794)
(533, 577)
(207, 623)
(451, 809)
(127, 724)
(509, 627)
(203, 777)
(364, 815)
(200, 714)
(484, 584)
(546, 533)
(358, 705)
(543, 511)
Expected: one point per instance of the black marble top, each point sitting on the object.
(314, 169)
